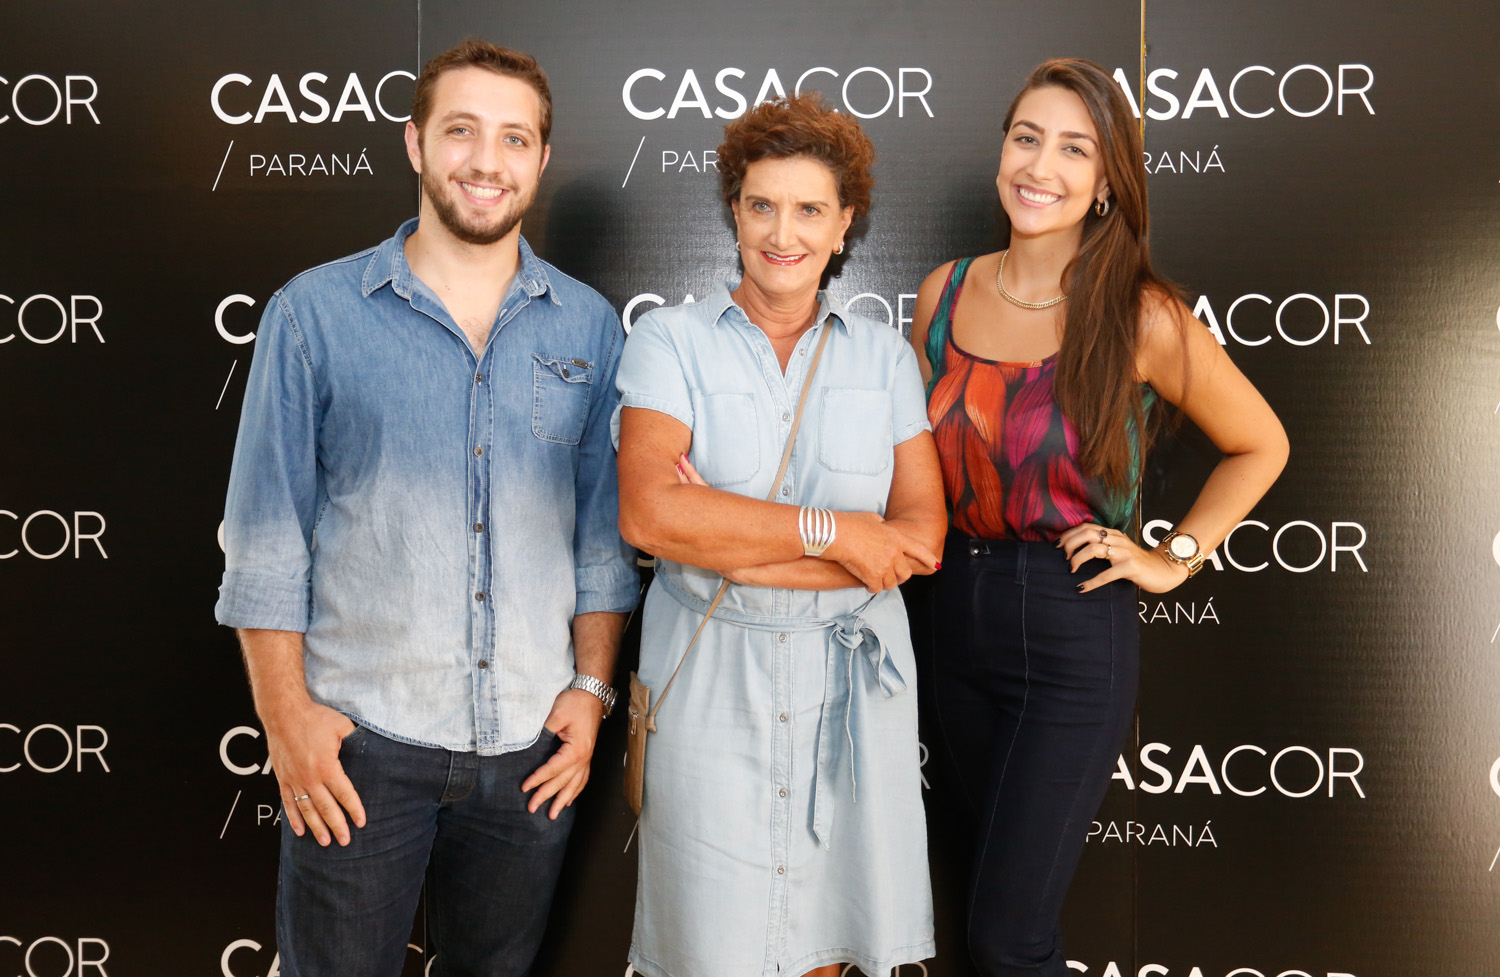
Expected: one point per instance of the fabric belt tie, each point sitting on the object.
(849, 637)
(850, 634)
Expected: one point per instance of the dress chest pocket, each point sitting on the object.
(726, 439)
(560, 407)
(854, 431)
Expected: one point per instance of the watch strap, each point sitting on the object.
(603, 691)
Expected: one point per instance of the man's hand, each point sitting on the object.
(575, 718)
(302, 736)
(304, 744)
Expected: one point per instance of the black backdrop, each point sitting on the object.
(1312, 788)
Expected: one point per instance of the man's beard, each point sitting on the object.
(447, 212)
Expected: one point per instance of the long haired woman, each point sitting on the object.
(1046, 366)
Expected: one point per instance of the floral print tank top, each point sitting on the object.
(1009, 457)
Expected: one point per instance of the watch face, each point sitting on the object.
(1183, 547)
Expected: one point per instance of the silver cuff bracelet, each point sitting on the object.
(817, 529)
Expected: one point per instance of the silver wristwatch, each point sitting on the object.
(593, 686)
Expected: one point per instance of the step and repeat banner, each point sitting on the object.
(1312, 787)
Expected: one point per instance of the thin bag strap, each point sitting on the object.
(786, 457)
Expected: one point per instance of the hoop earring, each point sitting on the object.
(839, 249)
(1101, 207)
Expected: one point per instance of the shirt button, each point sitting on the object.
(785, 490)
(785, 416)
(781, 638)
(483, 663)
(479, 596)
(478, 452)
(782, 717)
(479, 378)
(781, 870)
(479, 527)
(782, 792)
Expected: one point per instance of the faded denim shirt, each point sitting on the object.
(431, 520)
(707, 365)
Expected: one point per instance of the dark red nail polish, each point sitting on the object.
(938, 565)
(1080, 588)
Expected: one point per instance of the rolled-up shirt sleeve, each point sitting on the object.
(651, 374)
(275, 488)
(604, 564)
(908, 399)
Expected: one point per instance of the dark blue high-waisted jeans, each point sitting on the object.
(459, 820)
(1034, 685)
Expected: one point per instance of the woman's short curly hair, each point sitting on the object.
(799, 125)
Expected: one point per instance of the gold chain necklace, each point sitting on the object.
(1000, 284)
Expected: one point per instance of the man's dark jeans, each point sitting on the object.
(457, 821)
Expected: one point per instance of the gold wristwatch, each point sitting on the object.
(1183, 550)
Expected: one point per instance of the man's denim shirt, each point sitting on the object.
(431, 520)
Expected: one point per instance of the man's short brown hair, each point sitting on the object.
(482, 54)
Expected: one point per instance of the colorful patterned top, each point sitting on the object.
(1009, 457)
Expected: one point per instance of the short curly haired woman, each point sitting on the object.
(782, 829)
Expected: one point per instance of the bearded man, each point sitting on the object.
(422, 553)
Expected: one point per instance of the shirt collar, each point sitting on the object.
(719, 304)
(389, 266)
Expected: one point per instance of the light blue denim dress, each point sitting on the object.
(782, 826)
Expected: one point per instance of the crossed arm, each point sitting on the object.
(750, 541)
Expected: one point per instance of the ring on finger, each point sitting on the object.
(1103, 535)
(1109, 552)
(300, 798)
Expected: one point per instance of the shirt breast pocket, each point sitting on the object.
(726, 439)
(854, 431)
(561, 404)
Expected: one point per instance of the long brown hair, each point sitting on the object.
(1095, 377)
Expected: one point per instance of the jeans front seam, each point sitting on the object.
(463, 774)
(989, 827)
(1100, 741)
